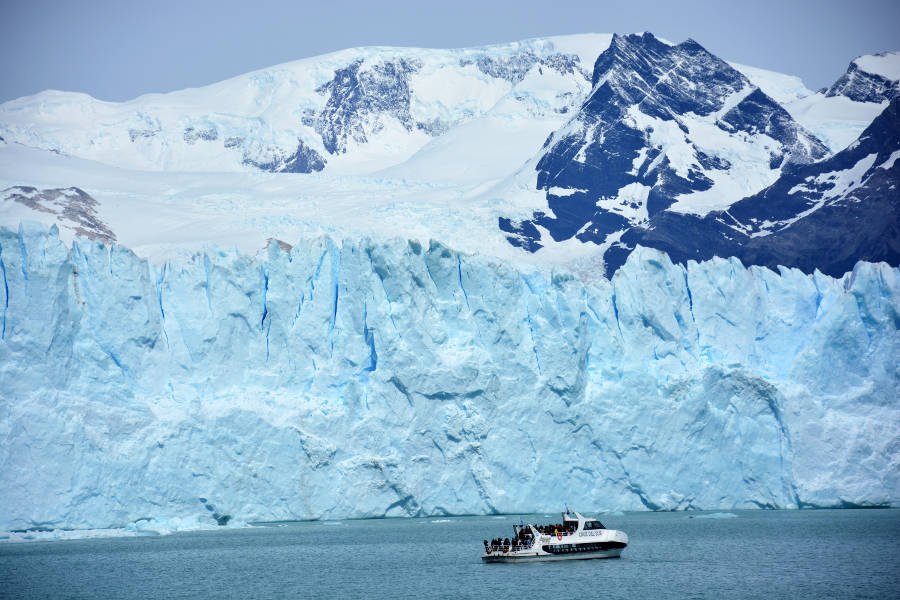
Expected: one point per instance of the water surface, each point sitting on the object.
(757, 554)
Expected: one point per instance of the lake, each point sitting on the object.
(742, 554)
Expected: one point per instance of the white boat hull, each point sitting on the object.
(523, 557)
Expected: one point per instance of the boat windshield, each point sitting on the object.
(588, 525)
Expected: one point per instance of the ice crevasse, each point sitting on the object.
(363, 378)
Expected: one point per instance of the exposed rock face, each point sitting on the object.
(612, 178)
(863, 86)
(303, 160)
(514, 68)
(360, 97)
(826, 216)
(662, 123)
(73, 207)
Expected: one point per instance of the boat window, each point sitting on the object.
(588, 525)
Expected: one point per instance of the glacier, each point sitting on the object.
(387, 377)
(254, 331)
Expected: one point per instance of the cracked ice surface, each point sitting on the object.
(369, 378)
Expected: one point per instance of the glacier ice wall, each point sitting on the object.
(390, 378)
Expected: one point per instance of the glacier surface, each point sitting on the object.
(387, 378)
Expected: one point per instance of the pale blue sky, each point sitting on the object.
(116, 50)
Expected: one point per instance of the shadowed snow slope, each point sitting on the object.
(368, 378)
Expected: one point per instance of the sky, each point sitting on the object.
(119, 49)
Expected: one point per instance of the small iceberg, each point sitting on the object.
(717, 515)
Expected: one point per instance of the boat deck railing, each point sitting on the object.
(504, 548)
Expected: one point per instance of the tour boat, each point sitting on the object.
(576, 538)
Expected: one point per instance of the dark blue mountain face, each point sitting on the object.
(303, 160)
(757, 113)
(364, 94)
(861, 86)
(642, 83)
(361, 94)
(514, 67)
(194, 134)
(826, 216)
(666, 80)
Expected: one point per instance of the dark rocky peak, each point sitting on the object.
(599, 150)
(861, 85)
(359, 96)
(666, 82)
(514, 67)
(827, 215)
(278, 160)
(758, 113)
(806, 188)
(640, 68)
(74, 208)
(663, 122)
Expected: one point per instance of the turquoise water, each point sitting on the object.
(758, 554)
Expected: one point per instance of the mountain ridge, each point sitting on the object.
(599, 189)
(447, 131)
(848, 201)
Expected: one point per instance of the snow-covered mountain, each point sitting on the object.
(826, 216)
(633, 128)
(664, 125)
(393, 281)
(839, 114)
(871, 78)
(354, 111)
(671, 133)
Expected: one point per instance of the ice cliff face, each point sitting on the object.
(398, 379)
